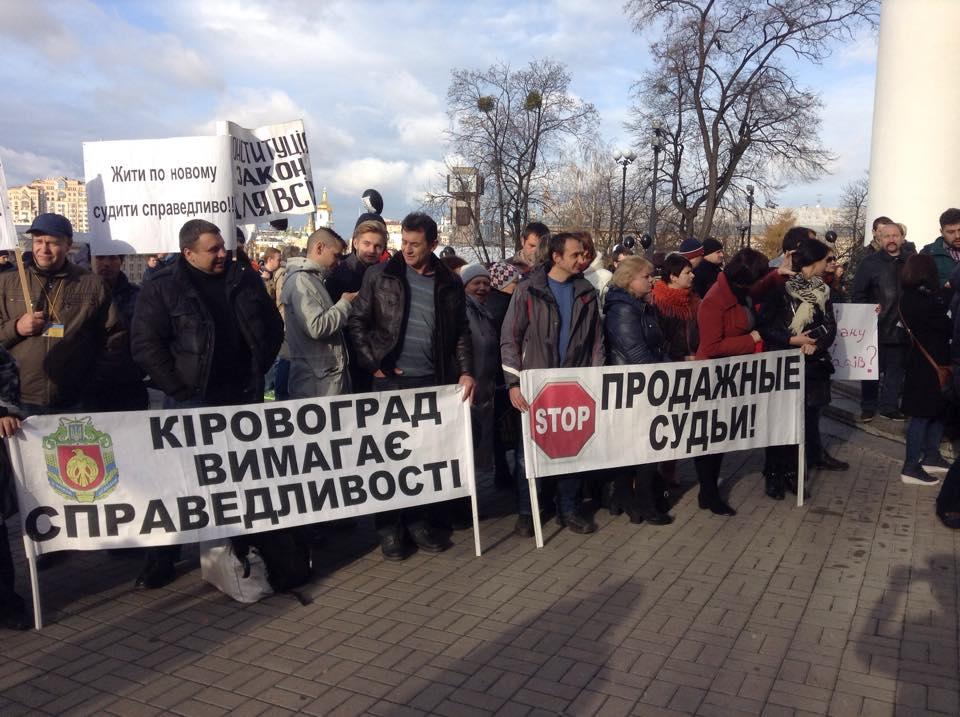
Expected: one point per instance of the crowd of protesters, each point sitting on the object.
(211, 328)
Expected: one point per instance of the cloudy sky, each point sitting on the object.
(368, 78)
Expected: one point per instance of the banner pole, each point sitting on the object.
(468, 431)
(535, 509)
(531, 482)
(802, 445)
(27, 301)
(34, 581)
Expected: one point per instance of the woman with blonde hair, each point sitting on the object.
(633, 336)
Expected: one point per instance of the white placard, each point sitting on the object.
(271, 171)
(854, 352)
(8, 233)
(141, 192)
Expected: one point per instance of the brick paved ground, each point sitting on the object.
(845, 607)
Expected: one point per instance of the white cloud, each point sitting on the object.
(29, 22)
(24, 167)
(421, 131)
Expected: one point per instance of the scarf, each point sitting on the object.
(812, 294)
(675, 303)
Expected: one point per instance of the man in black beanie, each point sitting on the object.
(707, 271)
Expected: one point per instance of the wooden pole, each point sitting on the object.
(28, 302)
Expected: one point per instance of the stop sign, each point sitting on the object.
(563, 419)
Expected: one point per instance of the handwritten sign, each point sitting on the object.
(854, 352)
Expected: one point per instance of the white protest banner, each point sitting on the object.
(604, 417)
(854, 352)
(88, 481)
(8, 233)
(140, 192)
(271, 171)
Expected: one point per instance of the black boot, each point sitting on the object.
(774, 484)
(661, 493)
(791, 481)
(646, 500)
(614, 496)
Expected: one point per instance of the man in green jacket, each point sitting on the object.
(945, 250)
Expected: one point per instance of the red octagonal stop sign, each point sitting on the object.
(563, 419)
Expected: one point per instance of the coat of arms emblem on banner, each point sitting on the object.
(80, 462)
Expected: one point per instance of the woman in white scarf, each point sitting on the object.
(801, 316)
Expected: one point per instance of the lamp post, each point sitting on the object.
(624, 159)
(749, 213)
(656, 143)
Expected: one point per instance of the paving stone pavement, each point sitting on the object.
(847, 606)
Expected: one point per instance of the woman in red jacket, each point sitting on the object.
(727, 327)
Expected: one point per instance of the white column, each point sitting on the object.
(916, 116)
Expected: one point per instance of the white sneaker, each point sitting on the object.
(915, 475)
(935, 465)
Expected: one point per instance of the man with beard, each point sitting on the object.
(878, 282)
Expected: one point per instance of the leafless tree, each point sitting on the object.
(509, 124)
(733, 112)
(585, 194)
(851, 226)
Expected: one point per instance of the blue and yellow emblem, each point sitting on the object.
(80, 462)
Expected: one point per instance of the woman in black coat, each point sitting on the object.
(633, 336)
(800, 315)
(923, 313)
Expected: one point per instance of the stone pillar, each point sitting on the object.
(916, 116)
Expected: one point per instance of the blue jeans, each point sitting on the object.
(568, 488)
(281, 378)
(923, 440)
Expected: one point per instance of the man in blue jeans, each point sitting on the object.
(553, 322)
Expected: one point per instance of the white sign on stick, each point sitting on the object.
(854, 352)
(8, 233)
(141, 192)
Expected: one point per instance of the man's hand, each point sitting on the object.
(468, 385)
(349, 295)
(31, 324)
(380, 374)
(803, 340)
(808, 349)
(517, 399)
(876, 309)
(9, 425)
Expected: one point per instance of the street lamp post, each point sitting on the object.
(624, 159)
(749, 213)
(656, 143)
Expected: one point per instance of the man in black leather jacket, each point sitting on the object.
(205, 331)
(408, 327)
(878, 282)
